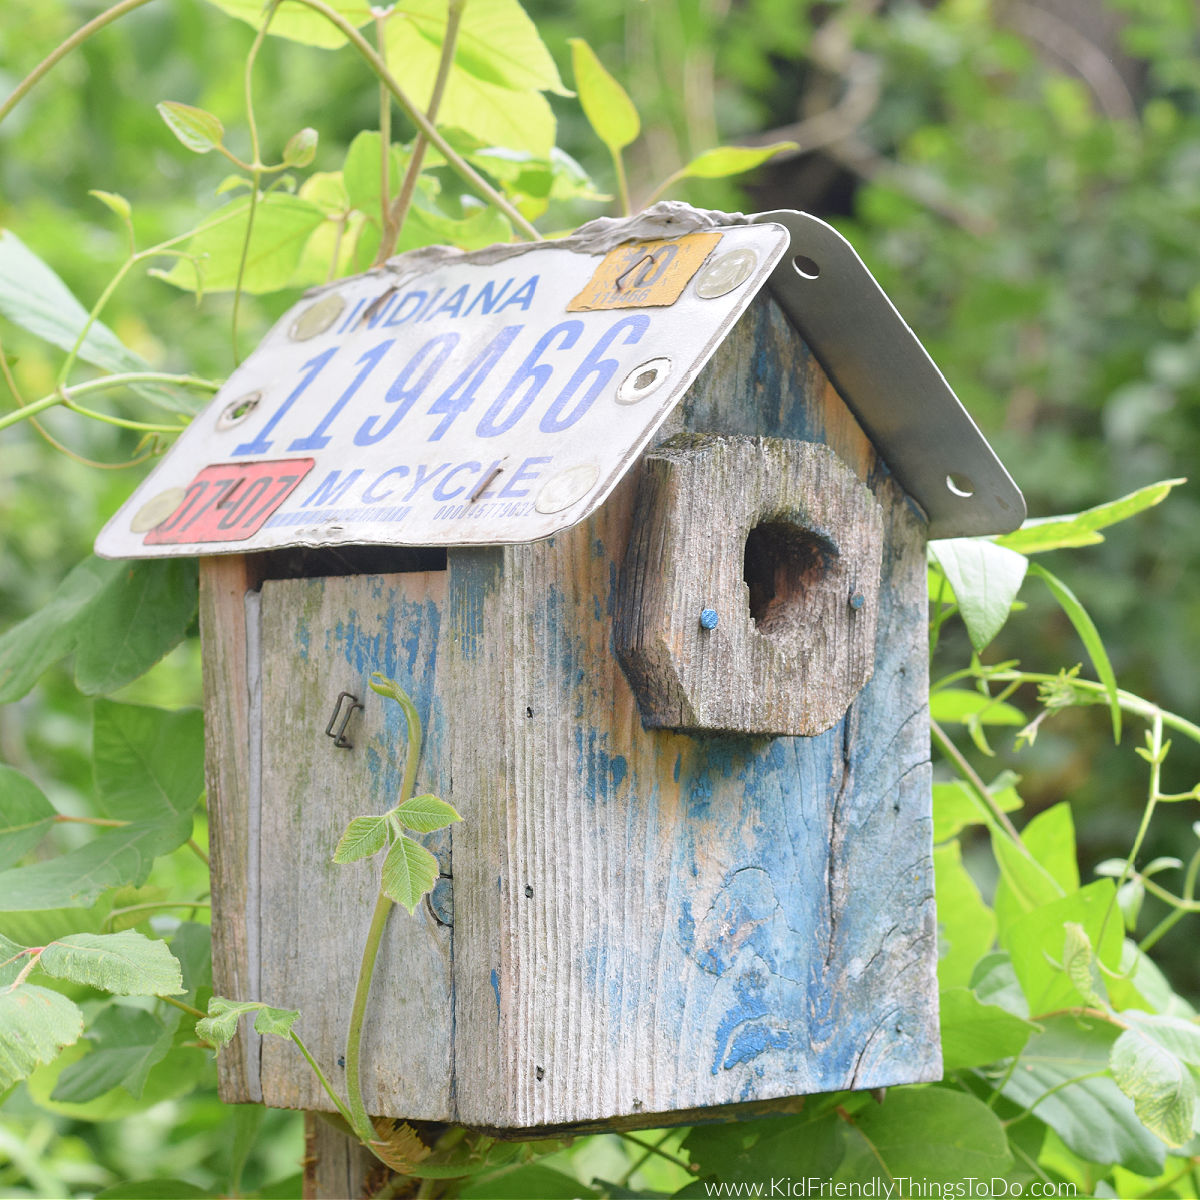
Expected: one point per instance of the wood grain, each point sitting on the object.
(224, 582)
(781, 541)
(321, 637)
(647, 922)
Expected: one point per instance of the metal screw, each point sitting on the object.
(725, 272)
(857, 601)
(709, 618)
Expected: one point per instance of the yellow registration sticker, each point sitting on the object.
(645, 274)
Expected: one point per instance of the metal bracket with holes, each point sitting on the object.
(890, 383)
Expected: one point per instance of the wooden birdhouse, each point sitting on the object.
(638, 518)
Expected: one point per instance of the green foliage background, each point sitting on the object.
(1031, 208)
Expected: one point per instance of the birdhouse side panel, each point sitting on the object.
(228, 663)
(294, 922)
(648, 923)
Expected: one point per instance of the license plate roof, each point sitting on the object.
(473, 402)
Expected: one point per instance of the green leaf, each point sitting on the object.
(299, 24)
(966, 926)
(35, 1023)
(497, 43)
(29, 649)
(181, 1071)
(740, 1153)
(1090, 637)
(1160, 1086)
(995, 982)
(1047, 871)
(144, 612)
(961, 704)
(35, 298)
(361, 171)
(155, 1189)
(125, 963)
(277, 1021)
(363, 836)
(115, 202)
(427, 813)
(221, 1023)
(282, 225)
(531, 1181)
(492, 112)
(484, 227)
(723, 161)
(127, 1043)
(25, 815)
(1081, 529)
(985, 579)
(409, 871)
(1177, 1035)
(1035, 942)
(76, 879)
(1080, 964)
(956, 806)
(1064, 1073)
(200, 131)
(148, 762)
(928, 1133)
(301, 148)
(605, 103)
(975, 1034)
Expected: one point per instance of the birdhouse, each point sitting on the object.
(638, 519)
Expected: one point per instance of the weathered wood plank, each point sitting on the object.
(780, 542)
(338, 1166)
(321, 637)
(224, 582)
(647, 922)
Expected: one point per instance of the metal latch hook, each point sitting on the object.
(339, 737)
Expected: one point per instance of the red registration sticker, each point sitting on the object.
(230, 501)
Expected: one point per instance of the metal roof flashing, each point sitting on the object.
(889, 382)
(498, 395)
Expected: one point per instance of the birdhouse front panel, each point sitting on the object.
(680, 699)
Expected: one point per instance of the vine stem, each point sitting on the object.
(1127, 700)
(63, 49)
(952, 752)
(256, 173)
(359, 1119)
(457, 163)
(395, 217)
(655, 1150)
(324, 1082)
(1156, 758)
(187, 1008)
(65, 396)
(385, 124)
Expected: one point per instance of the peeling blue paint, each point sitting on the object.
(496, 990)
(303, 637)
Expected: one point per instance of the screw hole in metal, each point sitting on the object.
(237, 411)
(806, 267)
(960, 485)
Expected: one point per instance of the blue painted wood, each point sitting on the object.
(320, 637)
(649, 923)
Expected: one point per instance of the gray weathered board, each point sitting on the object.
(643, 922)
